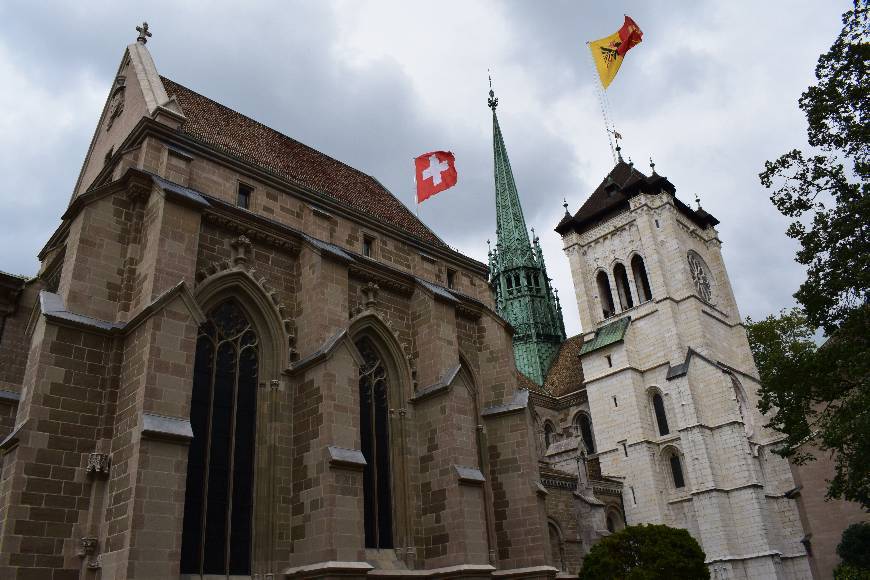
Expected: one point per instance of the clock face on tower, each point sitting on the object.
(701, 277)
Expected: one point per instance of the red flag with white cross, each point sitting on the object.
(435, 172)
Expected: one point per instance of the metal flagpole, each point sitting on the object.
(416, 197)
(602, 103)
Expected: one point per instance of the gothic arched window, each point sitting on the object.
(604, 295)
(583, 428)
(661, 417)
(676, 466)
(374, 415)
(549, 434)
(622, 287)
(641, 281)
(218, 499)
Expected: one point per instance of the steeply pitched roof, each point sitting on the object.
(612, 195)
(249, 140)
(566, 373)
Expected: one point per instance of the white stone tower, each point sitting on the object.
(671, 381)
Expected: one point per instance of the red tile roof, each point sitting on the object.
(566, 373)
(241, 136)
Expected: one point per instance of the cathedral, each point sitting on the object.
(242, 358)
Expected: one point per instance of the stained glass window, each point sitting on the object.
(218, 503)
(375, 439)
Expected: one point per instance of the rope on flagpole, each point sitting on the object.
(602, 103)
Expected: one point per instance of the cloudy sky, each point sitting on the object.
(710, 94)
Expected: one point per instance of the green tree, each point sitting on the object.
(646, 552)
(822, 396)
(854, 546)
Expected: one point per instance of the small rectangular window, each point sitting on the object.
(244, 198)
(615, 404)
(451, 278)
(624, 448)
(657, 224)
(633, 496)
(609, 360)
(368, 246)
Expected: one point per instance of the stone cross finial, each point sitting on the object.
(143, 33)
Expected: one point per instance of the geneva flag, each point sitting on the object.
(609, 51)
(435, 172)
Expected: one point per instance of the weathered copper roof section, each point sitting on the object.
(251, 141)
(612, 195)
(566, 372)
(607, 335)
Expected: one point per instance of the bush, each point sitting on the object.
(854, 547)
(846, 572)
(646, 552)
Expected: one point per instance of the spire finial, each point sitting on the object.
(143, 33)
(492, 102)
(698, 200)
(652, 165)
(565, 205)
(617, 136)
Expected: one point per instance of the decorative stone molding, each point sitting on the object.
(234, 225)
(87, 546)
(369, 295)
(98, 464)
(241, 247)
(88, 551)
(367, 274)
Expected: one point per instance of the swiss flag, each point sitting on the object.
(435, 172)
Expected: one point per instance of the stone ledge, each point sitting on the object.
(469, 475)
(531, 572)
(162, 427)
(518, 403)
(9, 396)
(442, 386)
(340, 457)
(459, 571)
(331, 569)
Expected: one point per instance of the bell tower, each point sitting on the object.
(671, 381)
(518, 275)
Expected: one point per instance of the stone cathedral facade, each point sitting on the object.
(243, 358)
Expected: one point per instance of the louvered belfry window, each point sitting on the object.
(218, 501)
(375, 441)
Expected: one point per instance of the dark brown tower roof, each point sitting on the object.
(612, 195)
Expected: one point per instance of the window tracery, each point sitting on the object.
(700, 276)
(375, 442)
(218, 506)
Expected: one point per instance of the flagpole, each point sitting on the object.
(416, 197)
(600, 92)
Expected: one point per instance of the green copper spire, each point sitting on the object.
(518, 275)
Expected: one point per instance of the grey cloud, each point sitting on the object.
(277, 62)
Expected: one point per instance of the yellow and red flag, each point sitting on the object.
(609, 51)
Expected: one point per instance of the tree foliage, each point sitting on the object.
(822, 396)
(854, 546)
(646, 552)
